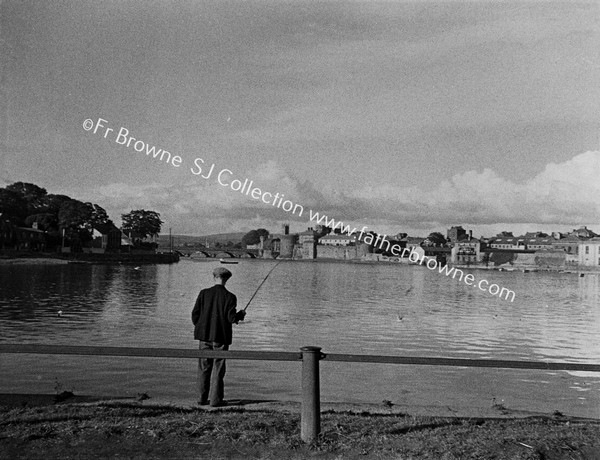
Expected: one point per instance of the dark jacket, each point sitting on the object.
(213, 314)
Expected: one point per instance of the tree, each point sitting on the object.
(253, 236)
(32, 194)
(28, 191)
(98, 214)
(12, 206)
(75, 217)
(74, 214)
(46, 221)
(22, 203)
(321, 231)
(142, 223)
(51, 203)
(435, 239)
(486, 258)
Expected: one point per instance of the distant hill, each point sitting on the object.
(193, 241)
(224, 237)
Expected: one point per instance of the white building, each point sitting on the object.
(337, 240)
(589, 252)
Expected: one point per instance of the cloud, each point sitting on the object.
(199, 206)
(567, 193)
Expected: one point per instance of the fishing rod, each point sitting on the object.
(263, 282)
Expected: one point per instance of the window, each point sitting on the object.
(587, 249)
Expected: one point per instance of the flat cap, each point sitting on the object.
(222, 272)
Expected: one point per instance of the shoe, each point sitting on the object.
(203, 403)
(219, 404)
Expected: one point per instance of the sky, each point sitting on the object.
(399, 116)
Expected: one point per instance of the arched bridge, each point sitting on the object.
(222, 253)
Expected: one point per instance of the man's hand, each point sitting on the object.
(240, 315)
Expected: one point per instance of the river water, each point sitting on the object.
(382, 309)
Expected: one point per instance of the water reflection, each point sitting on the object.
(72, 298)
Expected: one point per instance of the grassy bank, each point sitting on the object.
(134, 430)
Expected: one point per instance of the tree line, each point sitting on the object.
(60, 216)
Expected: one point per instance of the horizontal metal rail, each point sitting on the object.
(289, 356)
(149, 352)
(458, 362)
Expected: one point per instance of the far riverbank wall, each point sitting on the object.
(105, 258)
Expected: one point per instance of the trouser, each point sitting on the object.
(210, 375)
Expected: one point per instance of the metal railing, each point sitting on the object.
(310, 356)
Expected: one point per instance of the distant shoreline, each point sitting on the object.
(140, 258)
(32, 261)
(55, 260)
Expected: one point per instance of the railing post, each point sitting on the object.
(310, 418)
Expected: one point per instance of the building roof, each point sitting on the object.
(583, 231)
(106, 228)
(32, 230)
(506, 240)
(468, 240)
(522, 240)
(534, 235)
(570, 239)
(337, 237)
(542, 240)
(413, 239)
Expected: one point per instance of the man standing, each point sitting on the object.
(213, 315)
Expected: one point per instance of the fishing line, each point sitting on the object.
(263, 282)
